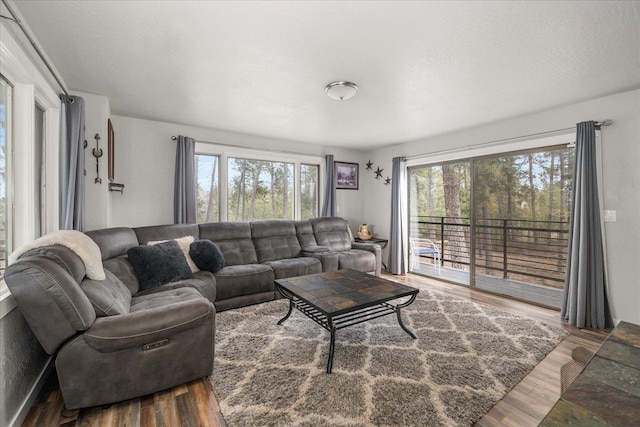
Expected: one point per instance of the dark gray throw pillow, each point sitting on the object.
(159, 264)
(206, 255)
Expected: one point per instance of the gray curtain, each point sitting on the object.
(330, 203)
(184, 193)
(72, 163)
(584, 302)
(398, 236)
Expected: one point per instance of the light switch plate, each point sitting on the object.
(609, 216)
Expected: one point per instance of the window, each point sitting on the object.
(309, 191)
(242, 184)
(259, 189)
(5, 174)
(500, 221)
(208, 191)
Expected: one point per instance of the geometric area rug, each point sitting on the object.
(466, 357)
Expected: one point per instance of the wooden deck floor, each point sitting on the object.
(195, 404)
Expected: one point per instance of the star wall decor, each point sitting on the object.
(369, 164)
(387, 181)
(379, 173)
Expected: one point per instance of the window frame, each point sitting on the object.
(219, 180)
(31, 86)
(224, 152)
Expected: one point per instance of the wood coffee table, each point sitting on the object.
(343, 298)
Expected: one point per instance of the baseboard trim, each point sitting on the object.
(22, 413)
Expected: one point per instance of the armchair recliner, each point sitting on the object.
(110, 345)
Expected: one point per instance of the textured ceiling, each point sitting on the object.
(423, 68)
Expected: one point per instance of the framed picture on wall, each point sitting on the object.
(346, 175)
(111, 154)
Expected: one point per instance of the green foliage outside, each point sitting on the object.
(256, 189)
(531, 186)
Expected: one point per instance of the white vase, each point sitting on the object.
(364, 233)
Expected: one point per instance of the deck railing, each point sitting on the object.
(528, 251)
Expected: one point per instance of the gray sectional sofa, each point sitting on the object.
(114, 340)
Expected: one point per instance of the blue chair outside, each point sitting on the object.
(425, 248)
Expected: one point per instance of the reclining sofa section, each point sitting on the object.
(115, 341)
(255, 255)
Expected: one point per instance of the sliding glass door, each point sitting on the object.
(516, 244)
(439, 229)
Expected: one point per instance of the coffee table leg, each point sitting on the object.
(332, 346)
(398, 307)
(288, 312)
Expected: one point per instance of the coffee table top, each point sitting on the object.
(342, 291)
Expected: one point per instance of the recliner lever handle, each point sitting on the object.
(156, 344)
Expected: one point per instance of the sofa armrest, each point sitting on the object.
(328, 260)
(115, 333)
(313, 249)
(375, 249)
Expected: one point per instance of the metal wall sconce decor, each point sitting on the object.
(97, 153)
(110, 151)
(114, 186)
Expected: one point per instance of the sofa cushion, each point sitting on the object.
(152, 317)
(304, 232)
(332, 232)
(202, 281)
(123, 269)
(109, 297)
(159, 264)
(275, 239)
(237, 280)
(292, 267)
(165, 232)
(184, 243)
(233, 239)
(114, 242)
(206, 255)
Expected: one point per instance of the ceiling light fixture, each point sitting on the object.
(341, 91)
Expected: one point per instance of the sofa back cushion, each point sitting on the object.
(114, 242)
(274, 240)
(108, 297)
(304, 232)
(50, 299)
(124, 271)
(332, 232)
(233, 239)
(165, 232)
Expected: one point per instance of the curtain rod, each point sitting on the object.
(175, 138)
(607, 122)
(15, 19)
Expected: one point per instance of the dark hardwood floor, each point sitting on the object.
(195, 404)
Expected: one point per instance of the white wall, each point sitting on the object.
(145, 162)
(621, 180)
(97, 203)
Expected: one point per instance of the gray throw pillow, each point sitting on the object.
(159, 264)
(206, 255)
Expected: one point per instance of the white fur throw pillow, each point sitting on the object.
(184, 243)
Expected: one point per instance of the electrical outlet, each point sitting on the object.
(609, 216)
